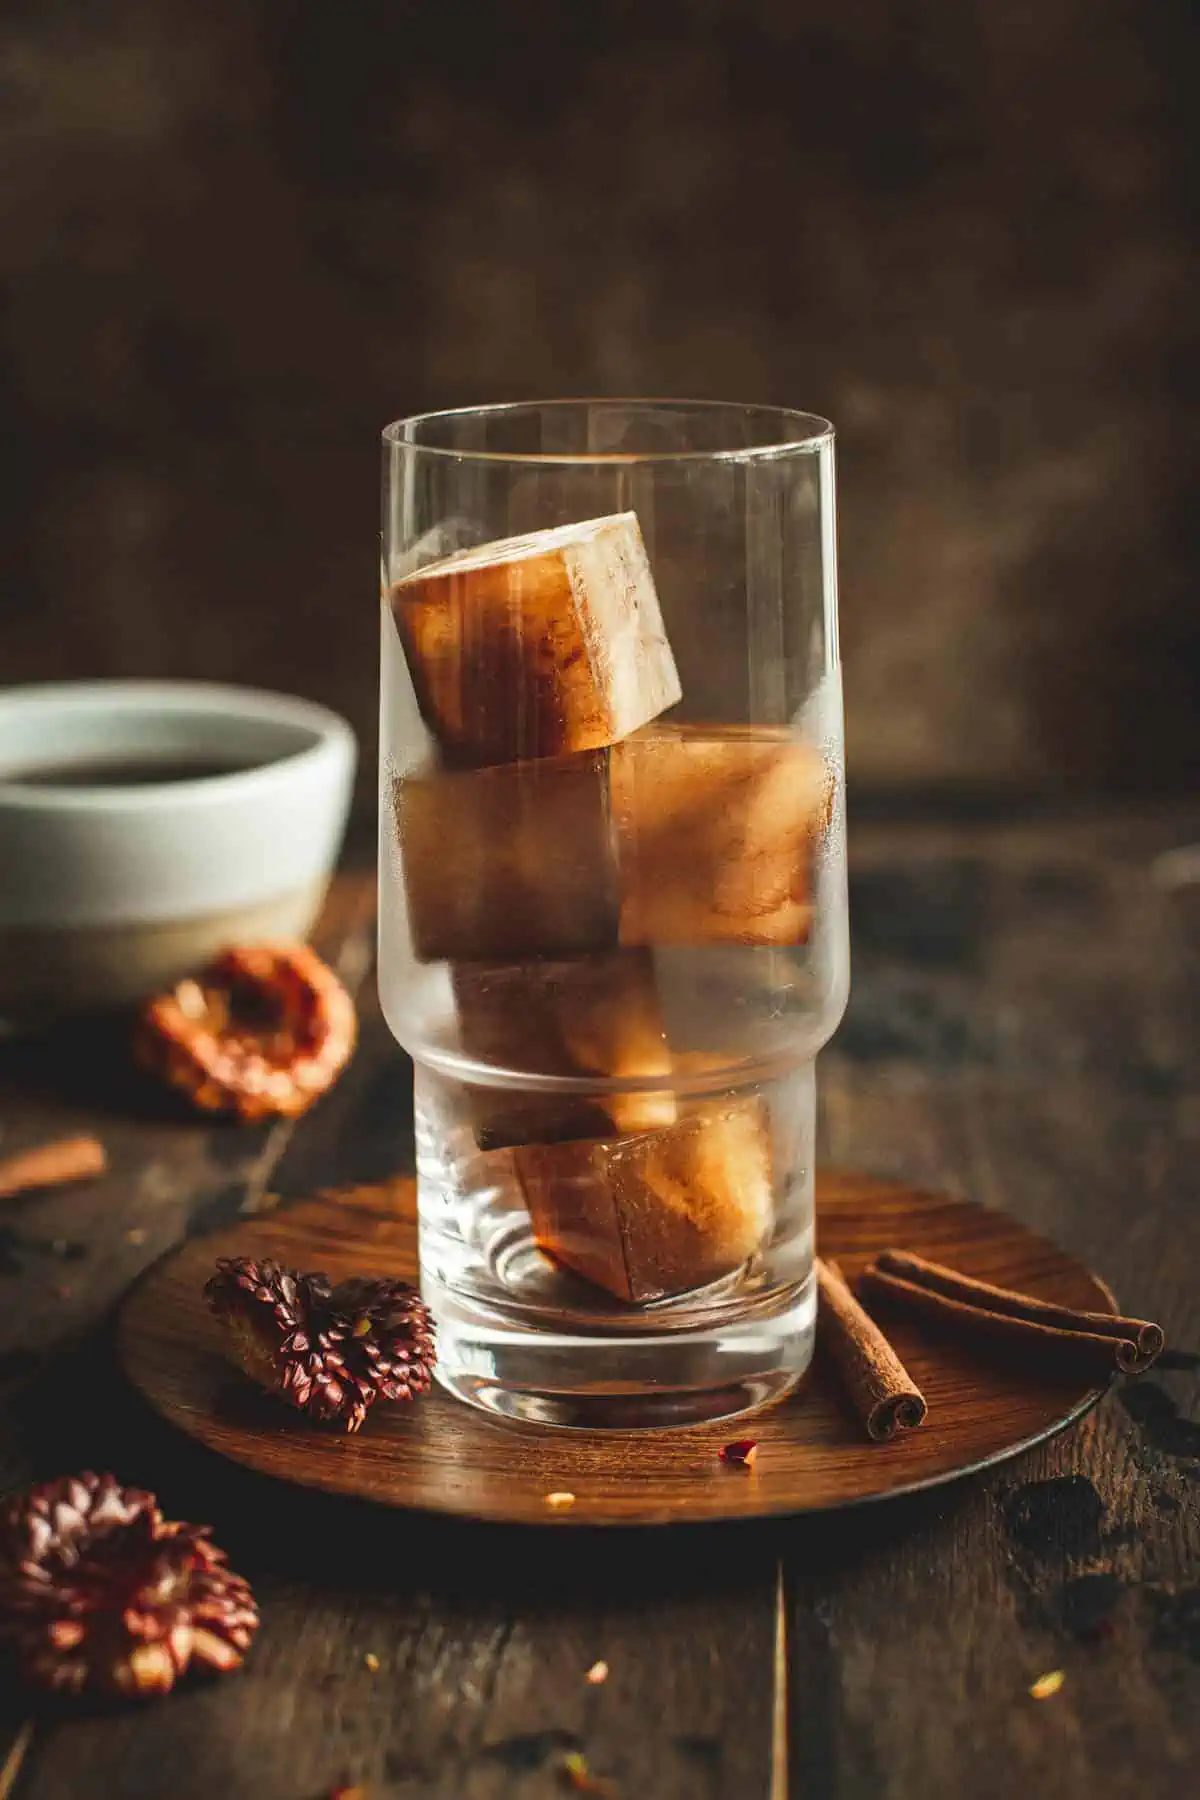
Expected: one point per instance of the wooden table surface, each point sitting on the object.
(1023, 1030)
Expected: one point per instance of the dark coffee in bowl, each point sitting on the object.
(124, 771)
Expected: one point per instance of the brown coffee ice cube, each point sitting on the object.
(658, 1213)
(717, 831)
(679, 835)
(508, 862)
(539, 644)
(594, 1016)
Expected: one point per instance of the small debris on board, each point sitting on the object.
(137, 1235)
(1046, 1686)
(577, 1775)
(371, 1661)
(740, 1454)
(560, 1500)
(597, 1674)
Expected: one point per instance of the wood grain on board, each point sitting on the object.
(442, 1456)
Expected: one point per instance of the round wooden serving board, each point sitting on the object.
(439, 1455)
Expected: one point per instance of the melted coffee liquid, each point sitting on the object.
(121, 772)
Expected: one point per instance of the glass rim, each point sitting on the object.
(809, 432)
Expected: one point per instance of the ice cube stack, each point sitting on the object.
(566, 832)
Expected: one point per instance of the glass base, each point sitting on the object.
(693, 1371)
(725, 1316)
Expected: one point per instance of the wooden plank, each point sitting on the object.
(1023, 1029)
(1026, 1034)
(483, 1644)
(66, 1256)
(483, 1636)
(927, 1629)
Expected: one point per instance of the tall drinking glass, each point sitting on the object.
(613, 931)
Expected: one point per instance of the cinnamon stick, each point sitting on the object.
(52, 1165)
(1066, 1340)
(883, 1393)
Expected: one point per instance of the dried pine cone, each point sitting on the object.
(261, 1032)
(99, 1592)
(329, 1351)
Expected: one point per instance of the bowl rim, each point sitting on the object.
(331, 734)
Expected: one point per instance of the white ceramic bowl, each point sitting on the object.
(111, 891)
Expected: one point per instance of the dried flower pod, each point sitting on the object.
(261, 1032)
(100, 1593)
(331, 1352)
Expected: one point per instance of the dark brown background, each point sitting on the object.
(236, 238)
